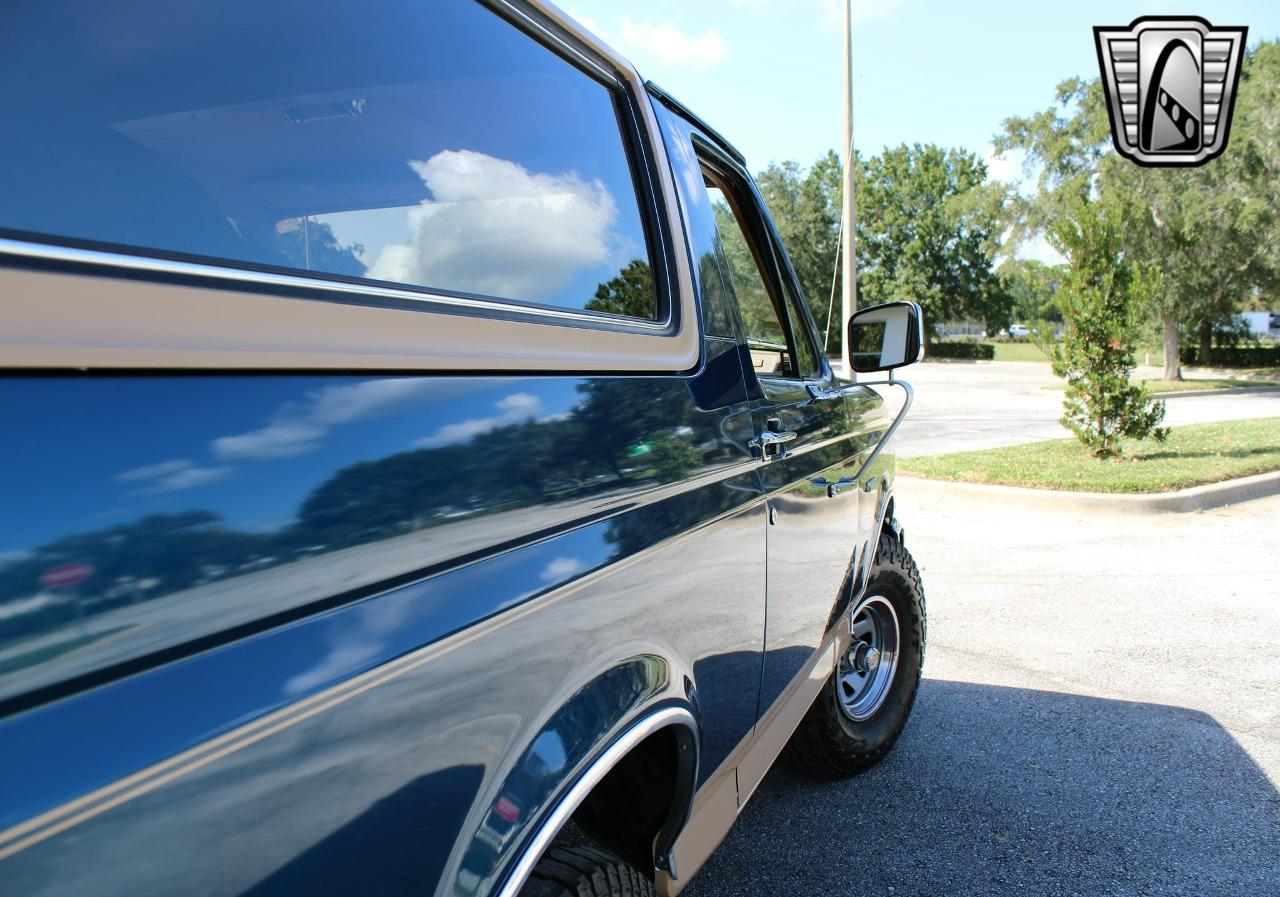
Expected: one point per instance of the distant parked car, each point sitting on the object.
(1018, 331)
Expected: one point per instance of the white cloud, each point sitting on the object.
(351, 647)
(11, 609)
(358, 401)
(493, 227)
(1040, 250)
(280, 440)
(591, 23)
(173, 476)
(14, 555)
(299, 427)
(190, 478)
(561, 568)
(642, 41)
(1004, 168)
(152, 471)
(511, 409)
(671, 45)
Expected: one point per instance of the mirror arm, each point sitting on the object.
(893, 427)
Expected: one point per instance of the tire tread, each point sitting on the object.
(821, 745)
(582, 871)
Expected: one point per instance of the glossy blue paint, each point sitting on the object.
(356, 633)
(595, 508)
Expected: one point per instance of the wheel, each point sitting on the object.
(864, 706)
(581, 871)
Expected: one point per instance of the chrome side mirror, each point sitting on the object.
(885, 337)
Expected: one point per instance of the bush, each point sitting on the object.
(1100, 298)
(966, 349)
(1237, 357)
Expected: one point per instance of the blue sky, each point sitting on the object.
(768, 73)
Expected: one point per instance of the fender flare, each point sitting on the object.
(671, 715)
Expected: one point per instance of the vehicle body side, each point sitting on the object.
(381, 655)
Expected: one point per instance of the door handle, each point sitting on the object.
(834, 489)
(772, 444)
(822, 394)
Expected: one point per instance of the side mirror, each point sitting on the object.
(885, 337)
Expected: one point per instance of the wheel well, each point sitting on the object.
(889, 525)
(636, 801)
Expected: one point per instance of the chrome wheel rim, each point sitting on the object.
(865, 671)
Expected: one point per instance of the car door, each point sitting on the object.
(810, 437)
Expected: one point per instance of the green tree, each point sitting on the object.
(805, 207)
(630, 293)
(1102, 297)
(1210, 231)
(928, 230)
(1032, 285)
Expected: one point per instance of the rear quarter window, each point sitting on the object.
(428, 145)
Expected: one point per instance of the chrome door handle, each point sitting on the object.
(823, 394)
(772, 444)
(834, 489)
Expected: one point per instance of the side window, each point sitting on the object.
(431, 145)
(775, 336)
(809, 366)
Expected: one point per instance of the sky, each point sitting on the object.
(768, 74)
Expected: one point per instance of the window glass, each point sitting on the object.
(719, 317)
(766, 337)
(804, 347)
(427, 144)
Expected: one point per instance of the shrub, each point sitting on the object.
(1101, 298)
(964, 349)
(1234, 357)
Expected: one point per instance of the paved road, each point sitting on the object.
(1100, 716)
(973, 406)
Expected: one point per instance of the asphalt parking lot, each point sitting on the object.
(1100, 715)
(960, 407)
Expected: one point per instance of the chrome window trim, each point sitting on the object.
(79, 319)
(613, 62)
(591, 776)
(314, 282)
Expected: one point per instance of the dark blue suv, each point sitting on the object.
(421, 473)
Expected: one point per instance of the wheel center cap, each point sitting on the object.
(863, 658)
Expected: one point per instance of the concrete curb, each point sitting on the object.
(921, 492)
(1229, 391)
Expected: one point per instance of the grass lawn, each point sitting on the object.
(1194, 455)
(1019, 352)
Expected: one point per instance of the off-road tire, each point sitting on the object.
(829, 744)
(581, 871)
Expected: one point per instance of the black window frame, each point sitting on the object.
(746, 203)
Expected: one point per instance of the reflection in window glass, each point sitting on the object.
(428, 144)
(766, 338)
(808, 359)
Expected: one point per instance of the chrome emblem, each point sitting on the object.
(1170, 86)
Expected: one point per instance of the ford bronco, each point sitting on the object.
(421, 472)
